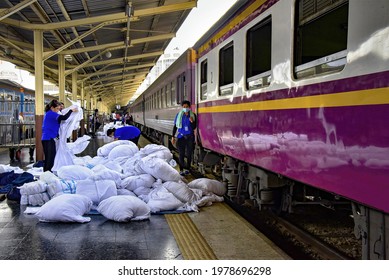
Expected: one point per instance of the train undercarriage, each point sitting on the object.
(250, 185)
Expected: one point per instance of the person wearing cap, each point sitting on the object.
(130, 132)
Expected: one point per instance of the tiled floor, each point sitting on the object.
(24, 237)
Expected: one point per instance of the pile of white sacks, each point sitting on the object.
(123, 183)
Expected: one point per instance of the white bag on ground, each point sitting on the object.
(133, 182)
(74, 172)
(65, 208)
(160, 199)
(97, 191)
(126, 192)
(158, 151)
(131, 166)
(208, 186)
(103, 173)
(106, 149)
(181, 191)
(123, 151)
(159, 169)
(124, 208)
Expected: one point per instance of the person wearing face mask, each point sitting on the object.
(185, 124)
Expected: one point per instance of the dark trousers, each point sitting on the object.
(49, 149)
(135, 140)
(185, 148)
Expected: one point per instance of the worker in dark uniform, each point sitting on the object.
(130, 132)
(185, 123)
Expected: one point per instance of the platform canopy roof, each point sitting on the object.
(111, 44)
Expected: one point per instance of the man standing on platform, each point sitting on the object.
(185, 122)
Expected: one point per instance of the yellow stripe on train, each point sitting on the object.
(233, 23)
(352, 98)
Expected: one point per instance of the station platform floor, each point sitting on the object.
(215, 232)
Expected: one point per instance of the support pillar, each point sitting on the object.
(82, 122)
(61, 79)
(74, 98)
(39, 96)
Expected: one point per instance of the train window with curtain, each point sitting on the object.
(226, 70)
(258, 60)
(320, 41)
(203, 79)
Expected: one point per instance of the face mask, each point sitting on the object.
(185, 110)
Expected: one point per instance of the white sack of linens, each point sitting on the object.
(126, 192)
(97, 191)
(208, 200)
(82, 160)
(74, 172)
(208, 186)
(159, 169)
(96, 161)
(160, 199)
(124, 208)
(133, 182)
(131, 166)
(113, 165)
(158, 151)
(33, 187)
(181, 191)
(65, 208)
(123, 151)
(103, 173)
(104, 151)
(48, 177)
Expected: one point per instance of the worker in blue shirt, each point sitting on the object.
(50, 130)
(185, 123)
(130, 132)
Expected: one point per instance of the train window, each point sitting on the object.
(258, 61)
(168, 96)
(173, 93)
(203, 79)
(181, 93)
(226, 69)
(185, 88)
(320, 43)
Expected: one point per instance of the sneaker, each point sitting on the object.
(182, 173)
(186, 172)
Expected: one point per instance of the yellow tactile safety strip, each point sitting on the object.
(192, 244)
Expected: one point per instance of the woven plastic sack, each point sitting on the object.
(74, 172)
(65, 208)
(124, 208)
(208, 186)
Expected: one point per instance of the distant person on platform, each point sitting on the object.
(50, 131)
(130, 132)
(185, 122)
